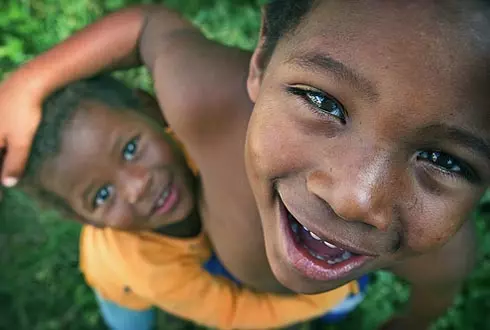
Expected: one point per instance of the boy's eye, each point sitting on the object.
(446, 162)
(102, 195)
(322, 102)
(129, 150)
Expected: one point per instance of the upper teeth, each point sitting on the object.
(330, 245)
(315, 236)
(162, 199)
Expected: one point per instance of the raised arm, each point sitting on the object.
(109, 44)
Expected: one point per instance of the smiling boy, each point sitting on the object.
(366, 149)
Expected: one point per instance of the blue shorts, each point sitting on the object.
(118, 317)
(336, 314)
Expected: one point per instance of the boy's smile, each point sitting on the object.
(117, 168)
(369, 140)
(320, 256)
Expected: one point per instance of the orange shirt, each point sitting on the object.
(144, 269)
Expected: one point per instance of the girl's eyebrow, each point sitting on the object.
(316, 61)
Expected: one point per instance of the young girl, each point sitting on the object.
(367, 146)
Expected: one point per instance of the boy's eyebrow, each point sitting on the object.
(87, 191)
(316, 61)
(462, 137)
(116, 144)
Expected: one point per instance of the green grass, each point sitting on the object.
(40, 285)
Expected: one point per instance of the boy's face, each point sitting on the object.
(118, 169)
(369, 140)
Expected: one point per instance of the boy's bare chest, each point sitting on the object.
(231, 220)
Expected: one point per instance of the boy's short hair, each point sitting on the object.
(283, 16)
(57, 111)
(280, 18)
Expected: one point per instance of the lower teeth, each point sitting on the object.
(345, 256)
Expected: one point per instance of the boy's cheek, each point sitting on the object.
(434, 220)
(276, 147)
(425, 236)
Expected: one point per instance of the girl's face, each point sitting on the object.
(369, 142)
(116, 168)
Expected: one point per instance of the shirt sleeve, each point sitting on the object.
(187, 290)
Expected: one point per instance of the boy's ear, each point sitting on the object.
(257, 64)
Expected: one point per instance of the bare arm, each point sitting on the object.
(111, 43)
(172, 278)
(190, 292)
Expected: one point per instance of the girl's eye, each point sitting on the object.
(321, 101)
(447, 163)
(129, 150)
(102, 195)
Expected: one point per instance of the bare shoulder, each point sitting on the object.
(201, 85)
(448, 265)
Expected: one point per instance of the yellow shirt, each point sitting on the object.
(144, 269)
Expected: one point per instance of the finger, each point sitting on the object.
(2, 155)
(15, 159)
(13, 164)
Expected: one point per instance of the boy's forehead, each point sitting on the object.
(435, 53)
(437, 24)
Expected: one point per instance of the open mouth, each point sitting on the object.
(314, 256)
(167, 200)
(314, 245)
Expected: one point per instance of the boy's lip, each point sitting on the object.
(166, 200)
(312, 267)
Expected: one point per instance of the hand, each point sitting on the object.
(2, 154)
(20, 111)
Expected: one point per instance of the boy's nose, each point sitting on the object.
(364, 195)
(135, 181)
